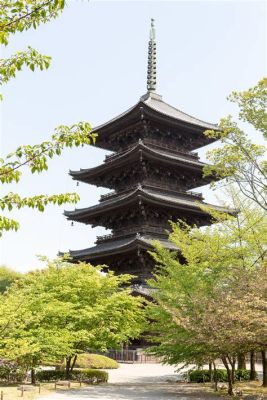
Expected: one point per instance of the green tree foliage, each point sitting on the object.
(239, 160)
(7, 276)
(211, 300)
(64, 310)
(18, 16)
(35, 158)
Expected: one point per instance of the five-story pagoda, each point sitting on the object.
(151, 171)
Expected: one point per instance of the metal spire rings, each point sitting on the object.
(151, 65)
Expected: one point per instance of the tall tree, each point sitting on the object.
(239, 160)
(17, 17)
(7, 276)
(67, 309)
(212, 297)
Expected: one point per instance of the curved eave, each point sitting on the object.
(149, 197)
(192, 125)
(118, 247)
(133, 155)
(152, 106)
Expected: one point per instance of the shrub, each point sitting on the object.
(49, 375)
(95, 361)
(199, 375)
(243, 375)
(11, 372)
(88, 375)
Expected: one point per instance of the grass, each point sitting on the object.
(253, 387)
(247, 387)
(12, 393)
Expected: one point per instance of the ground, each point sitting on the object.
(137, 382)
(134, 392)
(131, 382)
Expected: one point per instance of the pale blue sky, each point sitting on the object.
(99, 50)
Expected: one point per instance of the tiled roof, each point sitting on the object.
(154, 102)
(163, 197)
(155, 152)
(119, 246)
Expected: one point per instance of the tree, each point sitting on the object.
(36, 158)
(19, 16)
(211, 299)
(239, 160)
(7, 276)
(16, 17)
(66, 310)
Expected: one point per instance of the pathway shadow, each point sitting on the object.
(151, 379)
(138, 392)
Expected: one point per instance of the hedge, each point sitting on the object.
(95, 361)
(49, 375)
(199, 375)
(88, 375)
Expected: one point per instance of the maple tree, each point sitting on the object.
(211, 299)
(18, 16)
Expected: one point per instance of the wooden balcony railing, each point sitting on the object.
(159, 146)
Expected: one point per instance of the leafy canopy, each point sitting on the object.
(18, 16)
(211, 299)
(64, 310)
(239, 160)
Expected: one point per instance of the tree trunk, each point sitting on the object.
(210, 372)
(68, 362)
(229, 376)
(241, 361)
(33, 376)
(73, 362)
(252, 375)
(264, 368)
(232, 363)
(215, 377)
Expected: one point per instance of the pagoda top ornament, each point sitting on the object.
(152, 60)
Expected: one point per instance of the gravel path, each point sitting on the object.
(136, 382)
(134, 392)
(143, 373)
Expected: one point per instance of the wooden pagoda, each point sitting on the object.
(152, 170)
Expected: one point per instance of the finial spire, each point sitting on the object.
(151, 66)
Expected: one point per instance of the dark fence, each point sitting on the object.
(132, 356)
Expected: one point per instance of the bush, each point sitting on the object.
(49, 375)
(95, 361)
(10, 372)
(243, 375)
(88, 375)
(199, 375)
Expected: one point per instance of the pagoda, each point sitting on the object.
(152, 170)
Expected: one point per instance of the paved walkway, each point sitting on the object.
(134, 392)
(136, 382)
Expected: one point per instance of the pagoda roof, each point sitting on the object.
(152, 105)
(159, 197)
(133, 153)
(120, 246)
